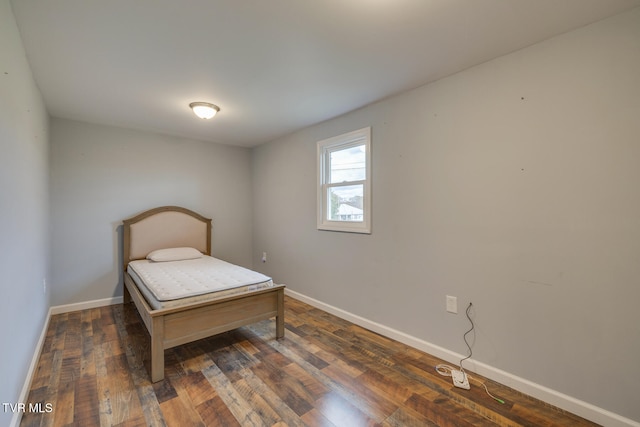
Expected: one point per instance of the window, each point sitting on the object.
(344, 190)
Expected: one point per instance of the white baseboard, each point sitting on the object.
(58, 309)
(560, 400)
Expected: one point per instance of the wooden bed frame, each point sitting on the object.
(173, 226)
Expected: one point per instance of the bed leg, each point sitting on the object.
(280, 315)
(157, 350)
(126, 296)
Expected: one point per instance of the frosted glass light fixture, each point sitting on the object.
(204, 110)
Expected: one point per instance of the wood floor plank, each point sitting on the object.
(287, 387)
(285, 413)
(73, 336)
(87, 365)
(57, 343)
(86, 407)
(444, 415)
(256, 400)
(385, 386)
(164, 391)
(179, 412)
(124, 400)
(368, 401)
(63, 414)
(193, 358)
(314, 418)
(341, 412)
(214, 412)
(240, 409)
(93, 371)
(102, 387)
(138, 421)
(151, 412)
(55, 390)
(43, 372)
(198, 388)
(405, 417)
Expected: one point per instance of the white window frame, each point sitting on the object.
(325, 148)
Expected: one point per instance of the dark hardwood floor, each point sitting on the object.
(325, 372)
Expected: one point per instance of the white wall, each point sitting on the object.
(513, 185)
(24, 212)
(101, 175)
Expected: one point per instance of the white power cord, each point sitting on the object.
(447, 371)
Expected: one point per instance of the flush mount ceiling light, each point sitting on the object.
(204, 110)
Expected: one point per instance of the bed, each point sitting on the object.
(184, 320)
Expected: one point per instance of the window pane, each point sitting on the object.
(344, 182)
(348, 164)
(344, 203)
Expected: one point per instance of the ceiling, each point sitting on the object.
(273, 66)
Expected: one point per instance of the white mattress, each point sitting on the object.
(170, 283)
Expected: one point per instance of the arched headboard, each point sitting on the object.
(165, 227)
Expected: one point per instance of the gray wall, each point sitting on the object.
(512, 185)
(101, 175)
(24, 212)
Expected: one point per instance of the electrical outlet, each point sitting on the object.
(44, 285)
(452, 304)
(264, 257)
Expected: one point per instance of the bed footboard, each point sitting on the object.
(176, 326)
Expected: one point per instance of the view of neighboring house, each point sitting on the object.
(347, 212)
